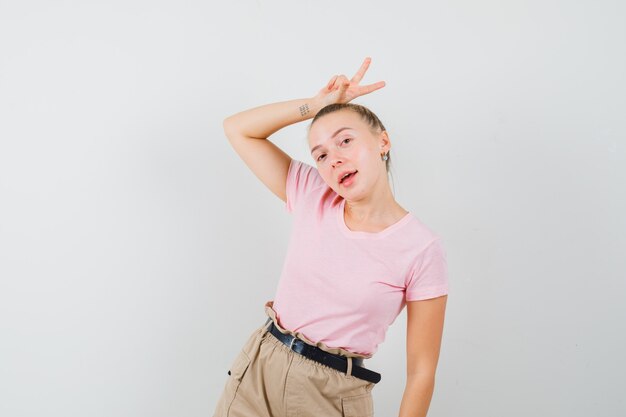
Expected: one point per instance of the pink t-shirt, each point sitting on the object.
(345, 287)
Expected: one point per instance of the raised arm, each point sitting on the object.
(248, 131)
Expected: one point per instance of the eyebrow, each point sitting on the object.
(334, 134)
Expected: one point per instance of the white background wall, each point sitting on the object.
(137, 249)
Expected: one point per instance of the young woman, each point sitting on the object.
(356, 258)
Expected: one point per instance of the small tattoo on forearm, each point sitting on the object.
(304, 109)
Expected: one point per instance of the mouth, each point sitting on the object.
(348, 177)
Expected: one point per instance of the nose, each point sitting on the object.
(335, 160)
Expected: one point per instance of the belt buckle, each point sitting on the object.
(291, 343)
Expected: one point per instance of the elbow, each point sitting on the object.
(422, 376)
(226, 123)
(420, 382)
(229, 127)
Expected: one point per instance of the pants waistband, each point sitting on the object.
(349, 365)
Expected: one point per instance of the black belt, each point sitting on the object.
(337, 362)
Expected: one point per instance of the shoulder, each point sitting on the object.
(300, 171)
(302, 180)
(420, 235)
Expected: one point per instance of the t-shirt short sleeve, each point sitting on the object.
(428, 277)
(301, 178)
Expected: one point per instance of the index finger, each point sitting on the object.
(366, 89)
(361, 72)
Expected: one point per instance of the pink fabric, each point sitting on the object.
(344, 287)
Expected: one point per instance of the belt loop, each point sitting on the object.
(265, 326)
(349, 371)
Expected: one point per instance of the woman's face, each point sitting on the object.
(343, 142)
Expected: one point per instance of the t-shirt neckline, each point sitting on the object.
(362, 234)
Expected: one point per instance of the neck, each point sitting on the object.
(377, 206)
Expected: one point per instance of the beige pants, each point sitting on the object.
(268, 379)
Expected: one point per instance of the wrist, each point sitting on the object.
(314, 105)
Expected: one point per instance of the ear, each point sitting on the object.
(384, 141)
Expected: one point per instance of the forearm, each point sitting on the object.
(263, 121)
(417, 395)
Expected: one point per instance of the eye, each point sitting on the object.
(346, 139)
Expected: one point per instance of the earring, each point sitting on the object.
(385, 157)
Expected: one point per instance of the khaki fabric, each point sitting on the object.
(267, 379)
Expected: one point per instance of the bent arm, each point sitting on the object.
(247, 132)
